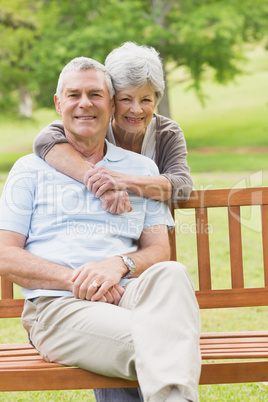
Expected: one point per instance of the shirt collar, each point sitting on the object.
(114, 153)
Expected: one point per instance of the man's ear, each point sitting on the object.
(57, 104)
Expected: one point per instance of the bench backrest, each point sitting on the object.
(232, 200)
(202, 200)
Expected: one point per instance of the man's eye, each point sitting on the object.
(72, 95)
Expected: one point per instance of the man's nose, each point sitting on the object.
(85, 101)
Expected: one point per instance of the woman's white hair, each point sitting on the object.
(84, 63)
(131, 65)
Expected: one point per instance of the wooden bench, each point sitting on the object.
(227, 357)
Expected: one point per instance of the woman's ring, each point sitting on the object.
(94, 283)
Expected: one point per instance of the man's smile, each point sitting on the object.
(85, 117)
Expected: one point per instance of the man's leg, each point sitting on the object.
(166, 331)
(118, 395)
(101, 395)
(156, 331)
(92, 336)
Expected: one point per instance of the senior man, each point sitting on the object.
(93, 298)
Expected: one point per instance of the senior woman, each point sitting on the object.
(138, 80)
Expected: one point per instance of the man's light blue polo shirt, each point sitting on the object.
(65, 223)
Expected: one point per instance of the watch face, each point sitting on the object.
(130, 262)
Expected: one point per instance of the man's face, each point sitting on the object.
(85, 105)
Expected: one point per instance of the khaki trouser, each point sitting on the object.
(152, 336)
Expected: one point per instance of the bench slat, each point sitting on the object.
(264, 211)
(236, 342)
(225, 197)
(236, 334)
(11, 308)
(6, 289)
(234, 372)
(203, 249)
(28, 364)
(15, 346)
(58, 378)
(226, 298)
(235, 243)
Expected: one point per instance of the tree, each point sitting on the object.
(18, 32)
(197, 34)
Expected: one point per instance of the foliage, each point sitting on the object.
(18, 33)
(235, 115)
(235, 120)
(39, 37)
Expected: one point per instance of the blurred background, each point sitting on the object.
(215, 55)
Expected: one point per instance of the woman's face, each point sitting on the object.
(134, 108)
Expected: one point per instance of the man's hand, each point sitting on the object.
(98, 281)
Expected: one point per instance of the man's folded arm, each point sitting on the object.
(28, 270)
(154, 248)
(32, 272)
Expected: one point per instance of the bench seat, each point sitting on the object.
(20, 363)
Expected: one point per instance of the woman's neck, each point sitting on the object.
(130, 141)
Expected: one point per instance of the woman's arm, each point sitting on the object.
(52, 146)
(99, 179)
(171, 158)
(174, 181)
(66, 159)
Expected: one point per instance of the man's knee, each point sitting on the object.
(171, 268)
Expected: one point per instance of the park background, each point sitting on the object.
(215, 55)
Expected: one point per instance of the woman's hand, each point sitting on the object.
(99, 180)
(109, 187)
(115, 202)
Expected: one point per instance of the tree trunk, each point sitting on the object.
(159, 10)
(25, 104)
(163, 107)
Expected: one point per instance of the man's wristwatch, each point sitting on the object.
(130, 264)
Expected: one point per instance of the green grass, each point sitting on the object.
(48, 396)
(227, 161)
(18, 133)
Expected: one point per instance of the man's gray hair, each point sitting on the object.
(84, 63)
(131, 65)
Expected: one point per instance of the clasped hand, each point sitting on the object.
(97, 281)
(109, 187)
